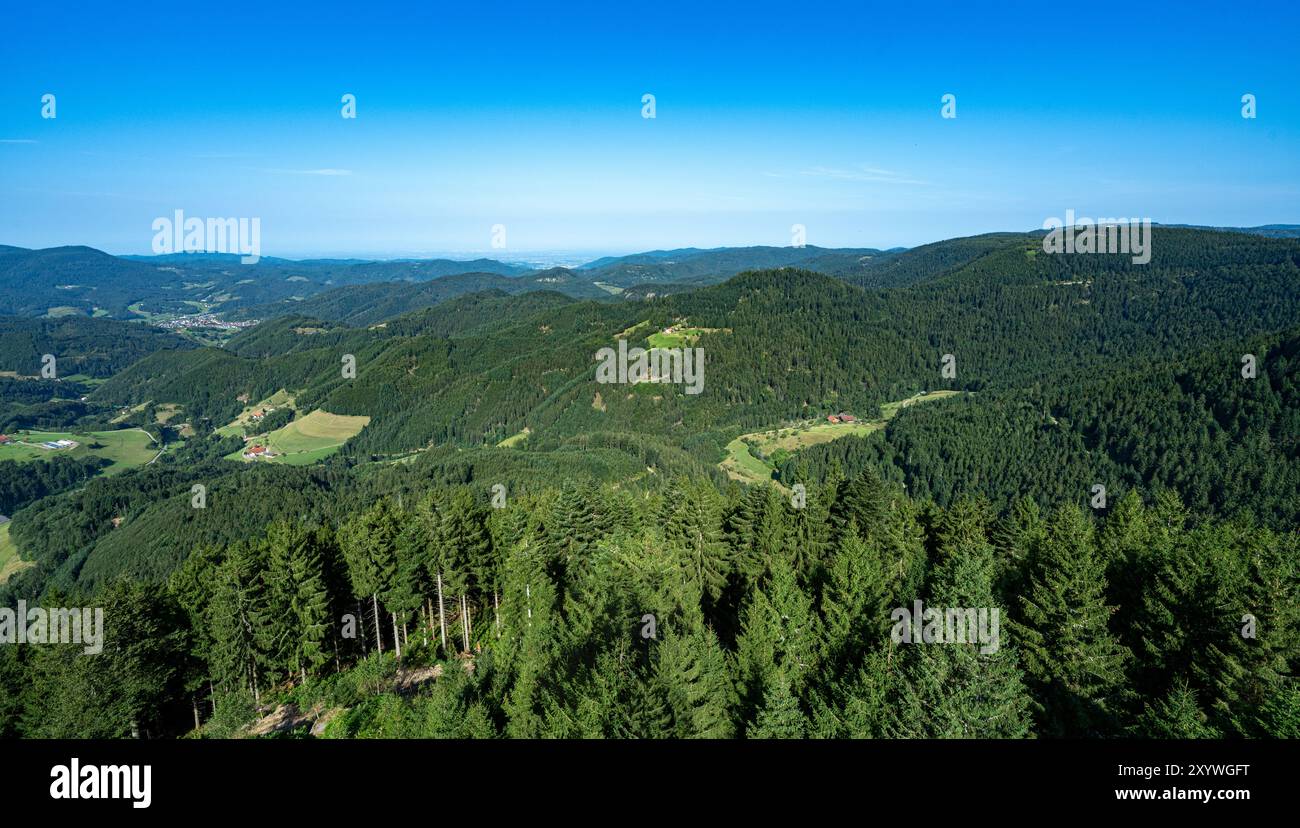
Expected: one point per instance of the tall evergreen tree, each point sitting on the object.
(1067, 648)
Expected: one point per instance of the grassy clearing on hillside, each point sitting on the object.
(627, 334)
(743, 466)
(80, 379)
(236, 427)
(777, 444)
(515, 439)
(162, 413)
(125, 448)
(307, 439)
(680, 337)
(888, 410)
(10, 563)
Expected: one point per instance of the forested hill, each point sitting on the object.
(91, 347)
(1227, 444)
(382, 301)
(85, 281)
(779, 345)
(694, 266)
(606, 278)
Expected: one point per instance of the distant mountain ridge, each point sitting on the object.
(80, 280)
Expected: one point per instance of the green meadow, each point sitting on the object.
(307, 439)
(125, 448)
(778, 443)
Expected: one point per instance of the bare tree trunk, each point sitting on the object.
(397, 636)
(442, 616)
(361, 622)
(194, 702)
(379, 640)
(406, 636)
(496, 608)
(528, 593)
(424, 628)
(464, 622)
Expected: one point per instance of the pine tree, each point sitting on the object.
(780, 716)
(692, 517)
(1177, 716)
(467, 543)
(235, 657)
(369, 542)
(309, 608)
(780, 635)
(1066, 645)
(854, 604)
(970, 690)
(1279, 717)
(1258, 617)
(691, 669)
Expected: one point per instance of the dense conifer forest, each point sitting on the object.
(589, 612)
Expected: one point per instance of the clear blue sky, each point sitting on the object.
(472, 114)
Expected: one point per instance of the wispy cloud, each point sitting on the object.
(861, 173)
(17, 141)
(324, 171)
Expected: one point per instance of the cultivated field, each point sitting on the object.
(307, 439)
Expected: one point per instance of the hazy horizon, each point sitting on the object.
(568, 257)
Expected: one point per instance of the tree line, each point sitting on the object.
(590, 611)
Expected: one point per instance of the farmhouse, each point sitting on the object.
(5, 438)
(833, 419)
(258, 451)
